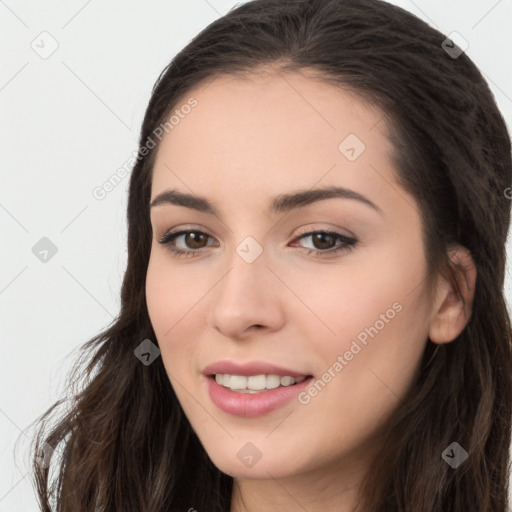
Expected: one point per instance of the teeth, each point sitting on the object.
(273, 381)
(236, 382)
(287, 381)
(255, 383)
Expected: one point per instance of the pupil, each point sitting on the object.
(318, 237)
(194, 237)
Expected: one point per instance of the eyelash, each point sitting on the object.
(347, 245)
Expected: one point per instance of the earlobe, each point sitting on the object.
(452, 307)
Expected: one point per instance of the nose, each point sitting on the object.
(248, 298)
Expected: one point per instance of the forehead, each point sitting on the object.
(272, 131)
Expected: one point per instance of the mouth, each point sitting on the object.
(247, 402)
(254, 384)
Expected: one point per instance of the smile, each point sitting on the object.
(251, 403)
(255, 383)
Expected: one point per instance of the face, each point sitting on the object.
(329, 288)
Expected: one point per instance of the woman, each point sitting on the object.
(312, 312)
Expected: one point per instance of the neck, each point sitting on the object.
(336, 490)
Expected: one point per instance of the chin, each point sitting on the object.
(245, 461)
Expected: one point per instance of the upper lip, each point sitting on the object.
(250, 368)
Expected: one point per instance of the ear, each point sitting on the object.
(450, 315)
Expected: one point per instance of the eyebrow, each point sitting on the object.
(279, 204)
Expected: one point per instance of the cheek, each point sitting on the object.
(372, 311)
(161, 298)
(344, 301)
(376, 279)
(171, 292)
(379, 354)
(170, 297)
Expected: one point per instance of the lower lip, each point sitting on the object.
(249, 405)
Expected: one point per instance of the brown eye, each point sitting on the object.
(195, 239)
(323, 240)
(190, 241)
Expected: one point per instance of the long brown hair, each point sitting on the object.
(123, 441)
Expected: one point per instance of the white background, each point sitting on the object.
(68, 123)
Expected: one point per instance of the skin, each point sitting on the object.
(247, 141)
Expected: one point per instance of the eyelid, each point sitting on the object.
(183, 230)
(186, 227)
(296, 235)
(315, 227)
(347, 242)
